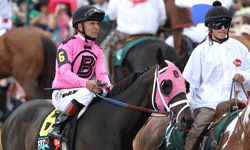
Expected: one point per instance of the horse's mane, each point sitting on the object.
(124, 84)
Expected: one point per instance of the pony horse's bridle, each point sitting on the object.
(172, 115)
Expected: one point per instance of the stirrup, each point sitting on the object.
(61, 137)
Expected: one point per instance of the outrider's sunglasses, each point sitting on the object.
(218, 25)
(94, 12)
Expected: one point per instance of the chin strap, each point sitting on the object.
(86, 36)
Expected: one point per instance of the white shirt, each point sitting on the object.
(103, 7)
(195, 33)
(5, 15)
(143, 17)
(210, 70)
(190, 3)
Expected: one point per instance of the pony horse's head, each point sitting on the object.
(169, 93)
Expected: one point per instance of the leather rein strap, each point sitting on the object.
(214, 143)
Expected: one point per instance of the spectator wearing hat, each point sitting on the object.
(42, 21)
(60, 22)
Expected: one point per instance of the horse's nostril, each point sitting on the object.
(187, 122)
(184, 122)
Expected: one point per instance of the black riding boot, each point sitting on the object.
(71, 110)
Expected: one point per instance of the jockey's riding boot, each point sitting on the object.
(71, 110)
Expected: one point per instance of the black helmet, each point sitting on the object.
(87, 13)
(217, 13)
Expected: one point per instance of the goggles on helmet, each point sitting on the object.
(94, 13)
(218, 25)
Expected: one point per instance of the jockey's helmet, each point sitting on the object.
(217, 13)
(87, 13)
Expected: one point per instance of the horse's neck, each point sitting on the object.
(138, 94)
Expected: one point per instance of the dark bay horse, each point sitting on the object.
(150, 135)
(29, 56)
(139, 58)
(105, 125)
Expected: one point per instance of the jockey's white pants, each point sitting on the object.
(61, 98)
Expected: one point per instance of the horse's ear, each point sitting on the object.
(160, 60)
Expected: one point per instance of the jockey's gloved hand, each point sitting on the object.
(93, 87)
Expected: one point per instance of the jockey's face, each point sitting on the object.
(91, 28)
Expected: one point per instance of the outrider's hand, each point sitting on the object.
(239, 78)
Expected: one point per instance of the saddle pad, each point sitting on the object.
(218, 130)
(120, 54)
(172, 138)
(45, 142)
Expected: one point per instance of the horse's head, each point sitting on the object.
(170, 93)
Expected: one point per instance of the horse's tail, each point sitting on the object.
(48, 72)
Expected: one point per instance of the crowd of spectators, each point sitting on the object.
(55, 21)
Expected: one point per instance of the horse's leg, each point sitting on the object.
(150, 136)
(27, 64)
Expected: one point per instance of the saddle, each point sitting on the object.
(222, 111)
(131, 38)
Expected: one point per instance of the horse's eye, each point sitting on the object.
(166, 87)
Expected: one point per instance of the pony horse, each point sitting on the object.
(29, 56)
(235, 135)
(105, 125)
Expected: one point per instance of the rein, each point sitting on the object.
(132, 106)
(238, 111)
(236, 97)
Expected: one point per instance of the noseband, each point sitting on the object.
(170, 72)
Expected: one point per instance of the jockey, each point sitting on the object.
(133, 17)
(5, 16)
(212, 67)
(78, 58)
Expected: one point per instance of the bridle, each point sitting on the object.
(173, 117)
